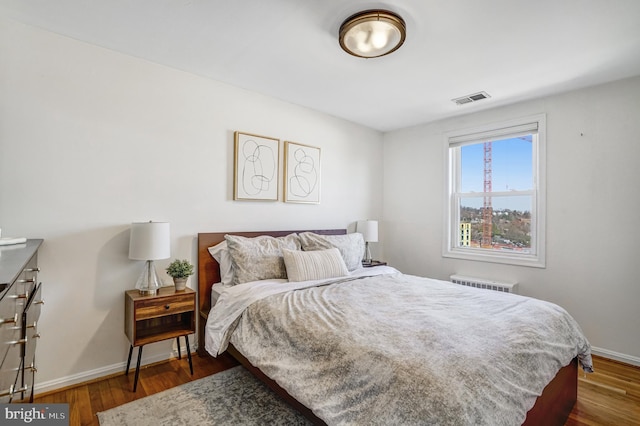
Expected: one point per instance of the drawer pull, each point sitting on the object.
(32, 270)
(19, 296)
(30, 280)
(9, 320)
(36, 336)
(167, 306)
(39, 302)
(18, 342)
(12, 390)
(34, 325)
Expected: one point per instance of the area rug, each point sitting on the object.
(231, 397)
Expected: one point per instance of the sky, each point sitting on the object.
(512, 165)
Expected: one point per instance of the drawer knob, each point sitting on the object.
(167, 306)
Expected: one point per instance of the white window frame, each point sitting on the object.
(496, 131)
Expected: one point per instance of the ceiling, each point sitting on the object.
(511, 49)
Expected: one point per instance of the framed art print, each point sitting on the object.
(256, 167)
(301, 173)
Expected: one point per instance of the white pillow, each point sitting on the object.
(351, 246)
(220, 252)
(314, 265)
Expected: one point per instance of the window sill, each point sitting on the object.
(495, 257)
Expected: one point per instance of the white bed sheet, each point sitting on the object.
(216, 291)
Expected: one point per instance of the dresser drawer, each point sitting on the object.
(12, 348)
(28, 279)
(146, 309)
(8, 383)
(10, 322)
(11, 305)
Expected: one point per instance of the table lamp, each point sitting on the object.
(149, 241)
(369, 231)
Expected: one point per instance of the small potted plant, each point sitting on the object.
(180, 270)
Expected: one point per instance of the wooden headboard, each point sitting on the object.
(209, 270)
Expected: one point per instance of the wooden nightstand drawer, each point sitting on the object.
(167, 306)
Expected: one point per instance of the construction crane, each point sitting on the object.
(487, 211)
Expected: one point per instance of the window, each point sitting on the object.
(495, 193)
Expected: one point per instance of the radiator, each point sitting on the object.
(486, 284)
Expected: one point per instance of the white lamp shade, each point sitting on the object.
(150, 241)
(368, 229)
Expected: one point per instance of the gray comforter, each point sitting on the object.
(397, 349)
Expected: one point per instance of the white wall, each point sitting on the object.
(92, 140)
(593, 152)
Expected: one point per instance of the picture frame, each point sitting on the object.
(301, 173)
(256, 167)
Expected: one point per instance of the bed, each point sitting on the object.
(373, 370)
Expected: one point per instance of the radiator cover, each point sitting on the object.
(484, 283)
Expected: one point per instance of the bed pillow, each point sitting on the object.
(259, 258)
(351, 246)
(220, 252)
(314, 265)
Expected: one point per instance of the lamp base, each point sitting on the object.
(148, 283)
(367, 253)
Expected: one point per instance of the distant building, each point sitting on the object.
(465, 234)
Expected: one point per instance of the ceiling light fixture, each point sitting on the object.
(372, 33)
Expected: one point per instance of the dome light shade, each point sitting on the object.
(372, 33)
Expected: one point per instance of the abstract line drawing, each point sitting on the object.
(256, 167)
(302, 173)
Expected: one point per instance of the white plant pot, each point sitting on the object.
(180, 283)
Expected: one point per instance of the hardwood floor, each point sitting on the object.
(87, 399)
(610, 396)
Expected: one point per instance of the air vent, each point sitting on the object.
(471, 98)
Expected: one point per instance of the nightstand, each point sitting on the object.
(166, 315)
(373, 263)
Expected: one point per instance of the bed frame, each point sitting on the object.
(552, 408)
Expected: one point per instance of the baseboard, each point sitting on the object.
(616, 356)
(75, 379)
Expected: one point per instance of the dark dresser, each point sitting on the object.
(20, 302)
